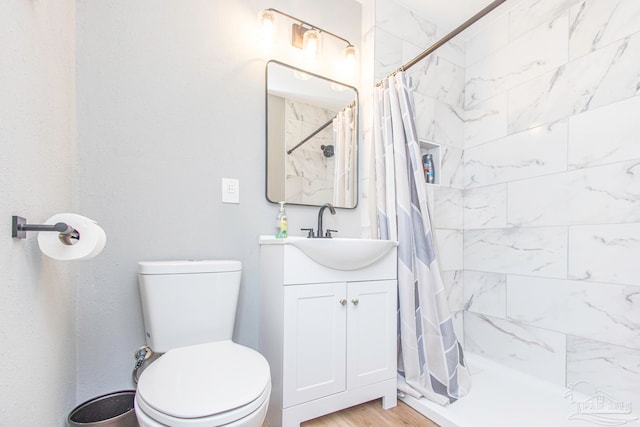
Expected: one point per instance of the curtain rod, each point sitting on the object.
(466, 24)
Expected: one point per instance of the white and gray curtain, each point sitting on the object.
(430, 358)
(344, 138)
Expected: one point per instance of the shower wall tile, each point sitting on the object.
(452, 51)
(388, 54)
(440, 79)
(598, 195)
(447, 207)
(449, 249)
(425, 116)
(449, 125)
(453, 283)
(612, 369)
(528, 349)
(605, 135)
(604, 312)
(451, 168)
(605, 76)
(485, 207)
(596, 23)
(535, 53)
(485, 293)
(404, 23)
(486, 121)
(539, 151)
(605, 253)
(528, 14)
(489, 35)
(538, 251)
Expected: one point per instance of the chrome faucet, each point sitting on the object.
(322, 208)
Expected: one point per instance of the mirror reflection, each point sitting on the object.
(312, 133)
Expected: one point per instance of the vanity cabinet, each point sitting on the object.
(329, 335)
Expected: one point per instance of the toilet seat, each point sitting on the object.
(204, 385)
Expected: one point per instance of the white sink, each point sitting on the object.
(337, 253)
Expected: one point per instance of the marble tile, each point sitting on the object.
(448, 249)
(409, 51)
(452, 171)
(539, 251)
(488, 39)
(485, 293)
(535, 53)
(404, 23)
(605, 253)
(485, 207)
(454, 285)
(440, 79)
(596, 23)
(447, 207)
(449, 125)
(528, 14)
(452, 51)
(486, 121)
(614, 370)
(531, 350)
(539, 151)
(598, 195)
(388, 54)
(425, 116)
(605, 135)
(605, 76)
(604, 312)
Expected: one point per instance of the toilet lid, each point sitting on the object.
(203, 380)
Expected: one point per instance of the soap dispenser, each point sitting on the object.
(282, 223)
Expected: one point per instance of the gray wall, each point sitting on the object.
(171, 100)
(37, 142)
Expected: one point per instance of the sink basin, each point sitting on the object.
(337, 253)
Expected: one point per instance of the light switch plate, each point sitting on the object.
(230, 190)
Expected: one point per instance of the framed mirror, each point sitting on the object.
(312, 138)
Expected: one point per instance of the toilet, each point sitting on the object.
(203, 378)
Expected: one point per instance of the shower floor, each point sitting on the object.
(503, 397)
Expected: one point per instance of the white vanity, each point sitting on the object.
(327, 324)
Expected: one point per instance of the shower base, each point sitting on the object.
(503, 397)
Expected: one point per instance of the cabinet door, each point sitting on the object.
(314, 341)
(371, 332)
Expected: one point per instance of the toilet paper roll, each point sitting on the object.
(91, 242)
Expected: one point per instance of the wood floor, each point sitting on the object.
(371, 414)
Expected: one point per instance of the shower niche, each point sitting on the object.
(431, 161)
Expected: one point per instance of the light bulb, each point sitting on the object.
(266, 19)
(350, 53)
(311, 43)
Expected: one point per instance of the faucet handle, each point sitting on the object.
(328, 233)
(310, 232)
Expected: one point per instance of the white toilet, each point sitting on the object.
(203, 379)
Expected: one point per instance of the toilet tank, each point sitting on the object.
(188, 302)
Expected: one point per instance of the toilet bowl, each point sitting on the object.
(205, 385)
(203, 379)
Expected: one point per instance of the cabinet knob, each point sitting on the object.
(355, 301)
(343, 301)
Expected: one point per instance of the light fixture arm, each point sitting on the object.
(309, 25)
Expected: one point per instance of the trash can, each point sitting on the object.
(109, 410)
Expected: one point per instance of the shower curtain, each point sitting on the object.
(430, 358)
(344, 137)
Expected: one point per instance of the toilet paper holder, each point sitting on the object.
(19, 227)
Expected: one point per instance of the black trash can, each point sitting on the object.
(109, 410)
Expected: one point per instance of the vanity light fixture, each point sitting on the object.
(304, 35)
